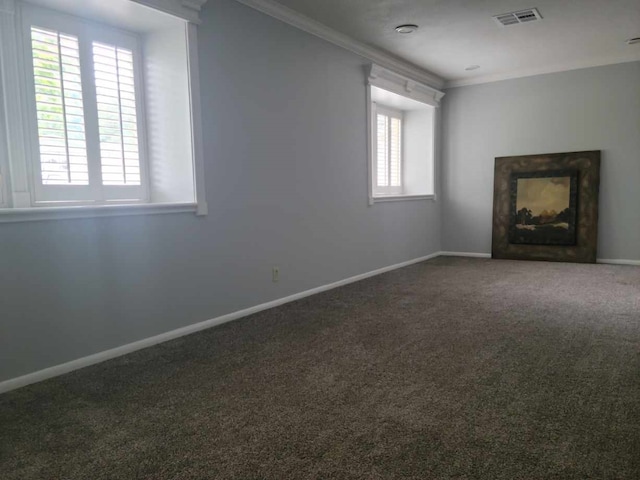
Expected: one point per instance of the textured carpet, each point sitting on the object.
(453, 368)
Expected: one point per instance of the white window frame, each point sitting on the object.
(390, 113)
(87, 33)
(16, 190)
(388, 80)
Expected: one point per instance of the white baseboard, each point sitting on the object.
(619, 261)
(67, 367)
(465, 254)
(488, 255)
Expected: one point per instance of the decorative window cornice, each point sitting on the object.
(186, 9)
(396, 83)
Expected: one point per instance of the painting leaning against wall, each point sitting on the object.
(544, 229)
(543, 208)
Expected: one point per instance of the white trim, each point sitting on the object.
(541, 71)
(371, 146)
(86, 32)
(465, 254)
(619, 261)
(195, 105)
(15, 164)
(391, 81)
(398, 115)
(10, 215)
(12, 89)
(67, 367)
(382, 78)
(437, 146)
(186, 9)
(304, 23)
(488, 255)
(399, 198)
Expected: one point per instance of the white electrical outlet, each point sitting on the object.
(275, 274)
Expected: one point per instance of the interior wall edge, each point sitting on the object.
(67, 367)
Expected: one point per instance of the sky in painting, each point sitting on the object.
(539, 194)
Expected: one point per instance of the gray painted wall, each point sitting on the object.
(285, 127)
(590, 109)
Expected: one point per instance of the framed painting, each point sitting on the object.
(545, 207)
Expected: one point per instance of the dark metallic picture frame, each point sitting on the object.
(587, 166)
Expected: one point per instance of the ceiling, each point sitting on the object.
(454, 34)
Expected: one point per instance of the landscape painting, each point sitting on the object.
(543, 206)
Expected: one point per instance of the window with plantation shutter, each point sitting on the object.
(401, 136)
(117, 117)
(59, 108)
(102, 110)
(382, 179)
(388, 168)
(87, 109)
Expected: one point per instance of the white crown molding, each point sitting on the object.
(302, 22)
(186, 9)
(542, 71)
(393, 82)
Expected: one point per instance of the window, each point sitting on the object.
(59, 108)
(389, 150)
(117, 115)
(102, 110)
(87, 102)
(402, 136)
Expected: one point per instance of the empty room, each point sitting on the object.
(301, 239)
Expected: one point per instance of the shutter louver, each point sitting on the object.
(117, 120)
(389, 151)
(383, 151)
(59, 107)
(395, 153)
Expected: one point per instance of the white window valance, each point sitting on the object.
(386, 79)
(186, 9)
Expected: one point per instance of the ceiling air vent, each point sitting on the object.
(522, 16)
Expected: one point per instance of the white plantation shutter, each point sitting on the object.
(383, 151)
(59, 108)
(87, 105)
(117, 117)
(395, 152)
(388, 151)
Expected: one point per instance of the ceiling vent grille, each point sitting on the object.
(514, 18)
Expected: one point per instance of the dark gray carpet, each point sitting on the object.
(454, 368)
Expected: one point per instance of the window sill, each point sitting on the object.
(399, 198)
(9, 215)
